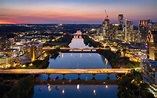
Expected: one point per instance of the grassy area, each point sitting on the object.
(22, 89)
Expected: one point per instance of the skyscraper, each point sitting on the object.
(105, 26)
(143, 28)
(129, 27)
(152, 44)
(33, 55)
(121, 19)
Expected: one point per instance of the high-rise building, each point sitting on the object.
(33, 55)
(145, 22)
(149, 65)
(121, 19)
(112, 30)
(153, 26)
(105, 26)
(143, 28)
(129, 27)
(152, 44)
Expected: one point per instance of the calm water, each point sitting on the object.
(76, 61)
(71, 91)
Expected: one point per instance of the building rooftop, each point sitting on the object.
(154, 32)
(3, 57)
(24, 59)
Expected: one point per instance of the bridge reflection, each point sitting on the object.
(78, 51)
(75, 82)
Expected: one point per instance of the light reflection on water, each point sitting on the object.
(72, 91)
(80, 61)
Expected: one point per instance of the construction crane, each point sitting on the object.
(106, 14)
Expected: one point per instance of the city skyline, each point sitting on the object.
(74, 12)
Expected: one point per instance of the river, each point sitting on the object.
(76, 61)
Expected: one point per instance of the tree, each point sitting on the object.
(132, 86)
(118, 54)
(124, 52)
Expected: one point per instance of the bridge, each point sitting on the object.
(65, 71)
(66, 48)
(78, 51)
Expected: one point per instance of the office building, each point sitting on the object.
(129, 28)
(105, 27)
(152, 45)
(121, 19)
(143, 28)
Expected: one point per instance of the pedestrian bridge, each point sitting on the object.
(66, 48)
(65, 71)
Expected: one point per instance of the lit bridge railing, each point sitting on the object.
(66, 48)
(65, 71)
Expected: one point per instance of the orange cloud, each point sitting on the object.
(6, 22)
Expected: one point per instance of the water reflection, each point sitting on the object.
(70, 91)
(80, 61)
(78, 86)
(106, 86)
(94, 91)
(84, 60)
(75, 77)
(48, 87)
(63, 91)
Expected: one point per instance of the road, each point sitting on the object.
(64, 71)
(65, 48)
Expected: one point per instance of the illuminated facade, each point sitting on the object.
(150, 70)
(105, 27)
(121, 19)
(112, 31)
(152, 44)
(129, 27)
(119, 35)
(33, 55)
(143, 28)
(149, 65)
(4, 61)
(153, 26)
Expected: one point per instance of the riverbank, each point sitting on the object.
(61, 41)
(114, 58)
(22, 88)
(133, 86)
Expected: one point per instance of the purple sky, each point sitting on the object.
(75, 11)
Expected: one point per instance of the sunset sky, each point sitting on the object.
(75, 11)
